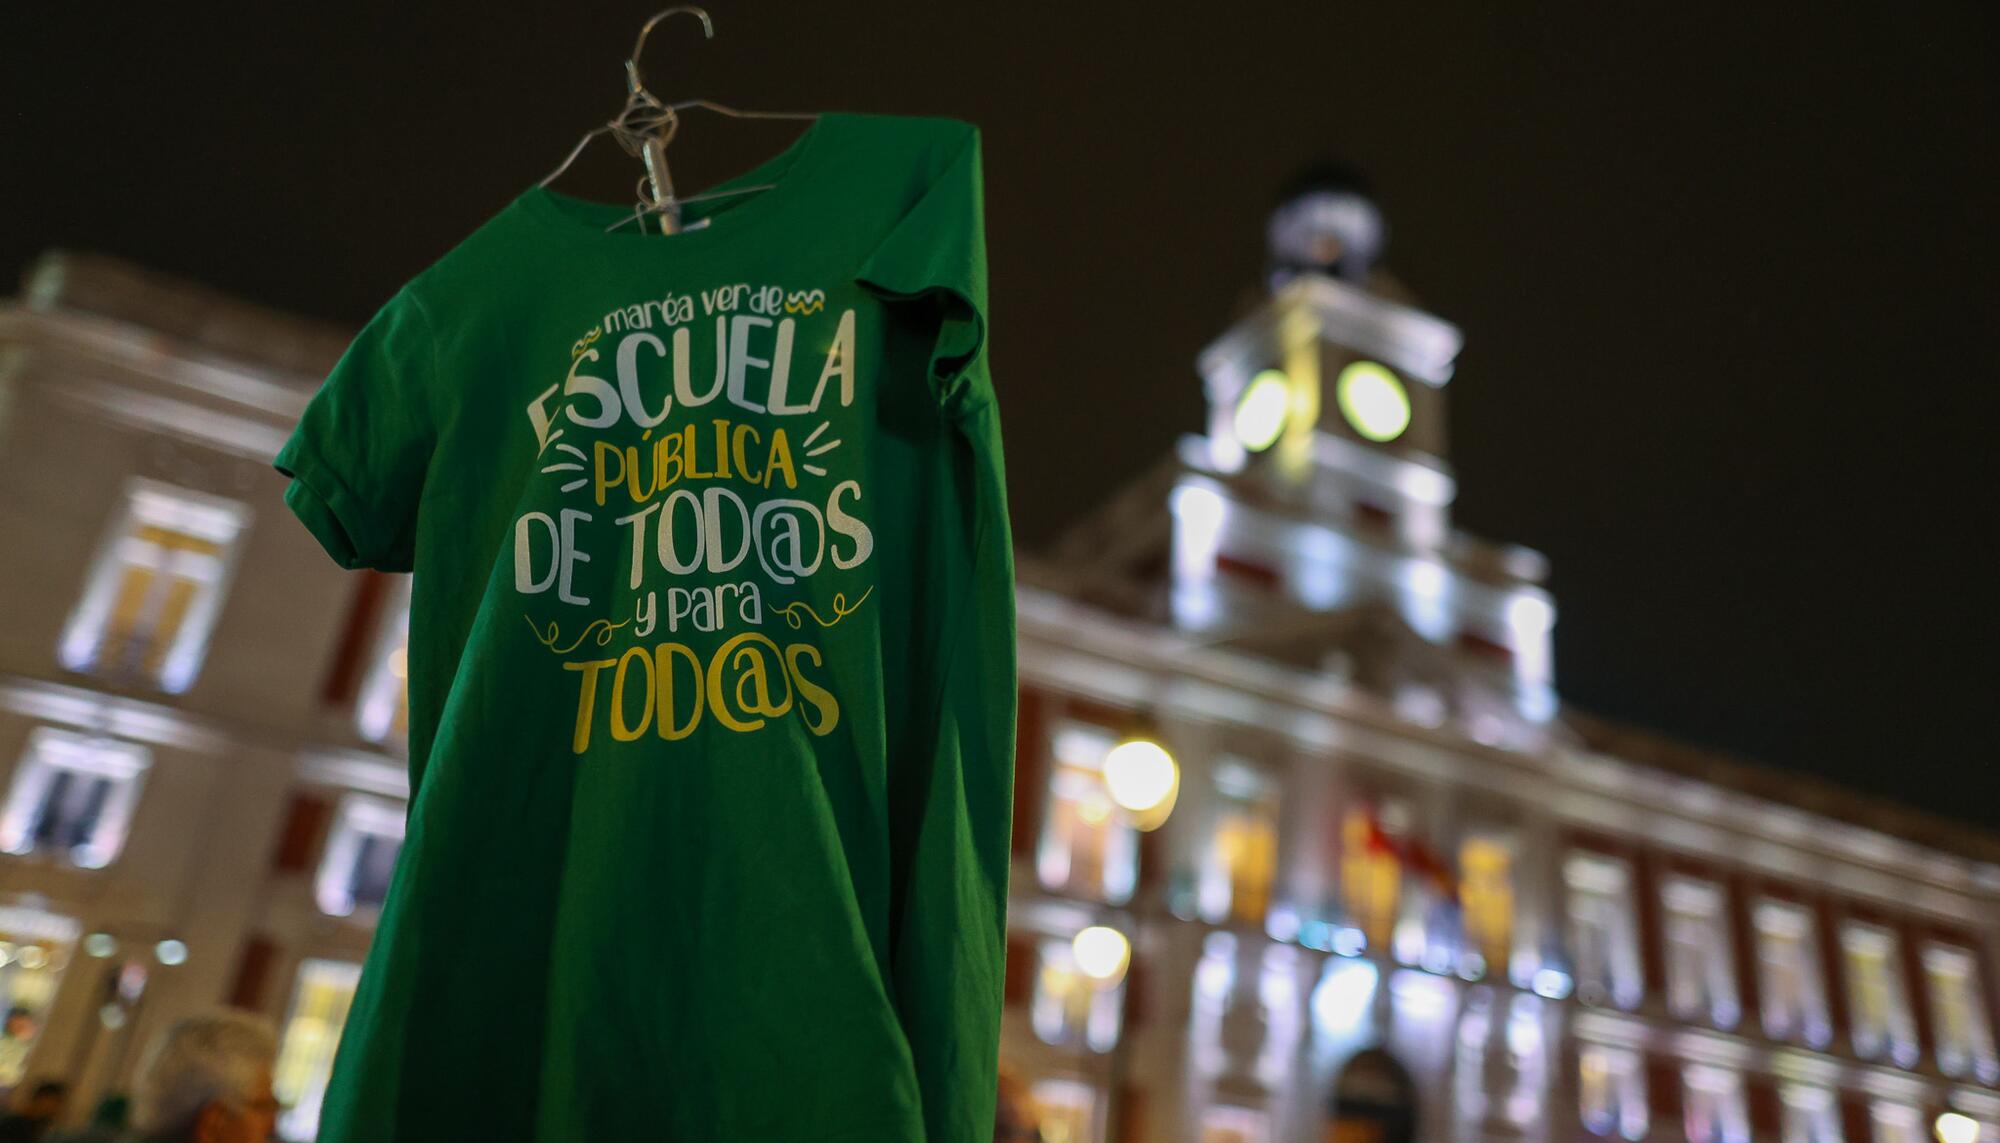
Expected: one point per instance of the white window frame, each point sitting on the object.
(1622, 1108)
(1810, 1114)
(1895, 1123)
(1701, 966)
(387, 682)
(1974, 1055)
(1721, 1090)
(1897, 1037)
(1074, 1096)
(1076, 747)
(1103, 1021)
(1237, 782)
(1606, 881)
(152, 503)
(50, 750)
(359, 818)
(301, 1119)
(1789, 928)
(1526, 1037)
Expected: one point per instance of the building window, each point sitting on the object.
(154, 593)
(360, 856)
(34, 949)
(1880, 1016)
(1370, 871)
(1788, 973)
(1344, 1001)
(1714, 1110)
(1611, 1091)
(1242, 858)
(1222, 1124)
(1959, 1014)
(320, 1001)
(1811, 1115)
(1278, 999)
(1070, 1007)
(1068, 1110)
(1486, 899)
(1896, 1123)
(1701, 978)
(1603, 939)
(73, 797)
(1527, 1058)
(1088, 846)
(383, 713)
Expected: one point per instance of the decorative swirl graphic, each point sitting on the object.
(551, 637)
(841, 610)
(805, 302)
(576, 350)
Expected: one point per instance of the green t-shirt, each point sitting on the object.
(711, 663)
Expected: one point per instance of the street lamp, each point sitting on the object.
(1102, 953)
(1951, 1127)
(1142, 777)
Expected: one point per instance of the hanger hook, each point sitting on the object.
(632, 80)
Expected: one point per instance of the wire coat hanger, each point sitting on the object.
(645, 126)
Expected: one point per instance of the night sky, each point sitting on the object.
(1726, 280)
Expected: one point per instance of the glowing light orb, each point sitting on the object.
(1373, 400)
(1261, 410)
(1951, 1127)
(1140, 775)
(1102, 953)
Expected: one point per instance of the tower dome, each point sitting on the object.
(1326, 222)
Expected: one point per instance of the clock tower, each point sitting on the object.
(1313, 519)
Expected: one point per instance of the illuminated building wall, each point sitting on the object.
(201, 791)
(1403, 893)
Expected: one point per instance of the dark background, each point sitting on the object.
(1726, 278)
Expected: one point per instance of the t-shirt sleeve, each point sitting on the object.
(951, 788)
(936, 255)
(951, 805)
(358, 455)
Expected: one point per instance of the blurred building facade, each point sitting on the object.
(201, 794)
(1401, 892)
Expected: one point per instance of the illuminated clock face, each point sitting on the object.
(1373, 400)
(1261, 410)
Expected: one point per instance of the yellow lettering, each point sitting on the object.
(694, 471)
(619, 730)
(639, 495)
(667, 459)
(601, 452)
(811, 692)
(746, 433)
(664, 655)
(718, 700)
(586, 700)
(781, 458)
(722, 449)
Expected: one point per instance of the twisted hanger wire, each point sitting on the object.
(644, 127)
